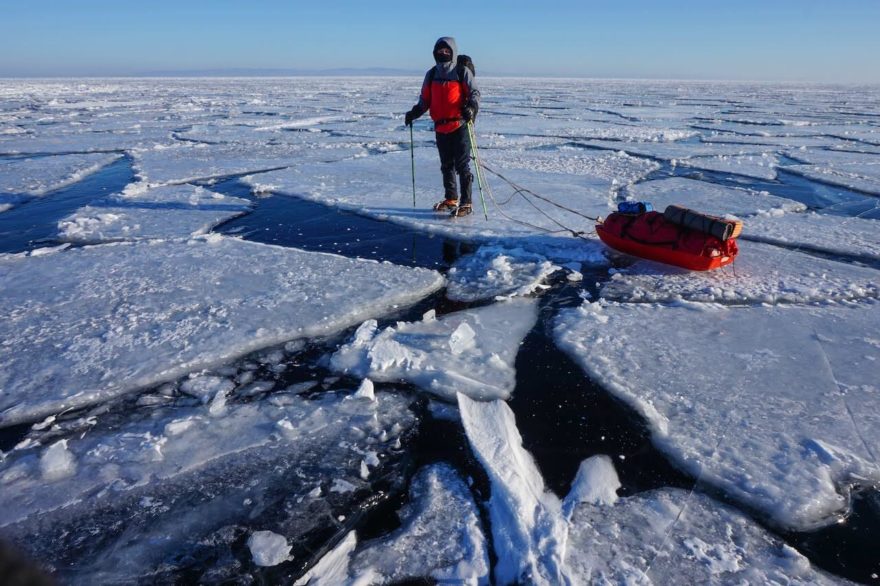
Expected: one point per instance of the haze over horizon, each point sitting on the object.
(786, 40)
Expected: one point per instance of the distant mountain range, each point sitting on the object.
(284, 72)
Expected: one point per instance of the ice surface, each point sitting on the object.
(528, 530)
(440, 536)
(138, 213)
(148, 494)
(268, 548)
(855, 237)
(669, 536)
(762, 166)
(471, 351)
(331, 569)
(760, 274)
(710, 199)
(852, 170)
(35, 176)
(497, 272)
(119, 317)
(774, 405)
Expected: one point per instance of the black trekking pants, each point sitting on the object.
(454, 148)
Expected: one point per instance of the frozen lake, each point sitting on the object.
(234, 350)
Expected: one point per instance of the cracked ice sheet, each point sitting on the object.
(37, 176)
(497, 272)
(844, 235)
(174, 485)
(120, 317)
(669, 151)
(777, 406)
(440, 537)
(857, 171)
(528, 529)
(471, 351)
(372, 186)
(175, 211)
(763, 274)
(643, 540)
(709, 198)
(762, 166)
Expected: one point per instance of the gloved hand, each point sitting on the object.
(468, 113)
(410, 116)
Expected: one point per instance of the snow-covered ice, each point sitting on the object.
(23, 178)
(849, 236)
(471, 351)
(268, 548)
(164, 212)
(711, 199)
(669, 536)
(119, 317)
(852, 170)
(775, 405)
(760, 274)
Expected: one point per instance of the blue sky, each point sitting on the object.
(785, 40)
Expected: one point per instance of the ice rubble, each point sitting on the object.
(471, 351)
(710, 199)
(497, 272)
(760, 274)
(138, 213)
(440, 537)
(118, 317)
(774, 405)
(153, 494)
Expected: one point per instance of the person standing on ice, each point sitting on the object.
(451, 94)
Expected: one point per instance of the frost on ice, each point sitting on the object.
(141, 499)
(471, 351)
(440, 536)
(120, 317)
(777, 406)
(165, 212)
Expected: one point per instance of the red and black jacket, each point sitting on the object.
(446, 90)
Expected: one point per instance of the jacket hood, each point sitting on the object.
(449, 42)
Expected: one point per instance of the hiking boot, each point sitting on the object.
(463, 210)
(446, 205)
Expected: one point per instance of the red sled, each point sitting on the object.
(653, 237)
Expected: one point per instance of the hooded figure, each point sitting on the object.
(451, 94)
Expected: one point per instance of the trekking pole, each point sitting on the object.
(412, 157)
(475, 157)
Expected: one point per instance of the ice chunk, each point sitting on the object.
(332, 569)
(440, 536)
(268, 548)
(855, 237)
(669, 536)
(470, 351)
(760, 274)
(168, 308)
(596, 483)
(528, 530)
(752, 400)
(495, 271)
(365, 391)
(57, 462)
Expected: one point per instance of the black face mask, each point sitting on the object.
(441, 57)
